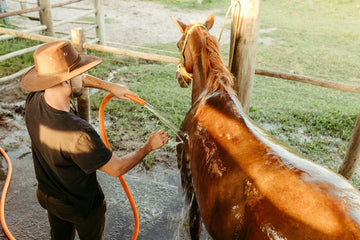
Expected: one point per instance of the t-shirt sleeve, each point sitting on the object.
(90, 153)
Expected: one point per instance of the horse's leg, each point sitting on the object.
(194, 220)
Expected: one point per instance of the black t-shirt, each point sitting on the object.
(67, 151)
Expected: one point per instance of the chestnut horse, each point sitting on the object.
(239, 181)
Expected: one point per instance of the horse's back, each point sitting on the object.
(248, 186)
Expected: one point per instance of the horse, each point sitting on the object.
(239, 181)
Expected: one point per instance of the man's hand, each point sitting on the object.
(120, 90)
(157, 140)
(119, 166)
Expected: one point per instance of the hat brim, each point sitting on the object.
(33, 82)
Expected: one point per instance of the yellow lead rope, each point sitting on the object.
(235, 5)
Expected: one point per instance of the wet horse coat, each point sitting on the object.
(239, 181)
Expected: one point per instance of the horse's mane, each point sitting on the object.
(219, 79)
(219, 75)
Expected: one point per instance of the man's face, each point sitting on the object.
(77, 85)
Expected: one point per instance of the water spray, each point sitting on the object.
(156, 112)
(167, 122)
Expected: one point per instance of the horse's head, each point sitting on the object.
(188, 49)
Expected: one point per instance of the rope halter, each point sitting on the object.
(185, 75)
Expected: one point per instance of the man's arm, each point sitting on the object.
(119, 166)
(118, 90)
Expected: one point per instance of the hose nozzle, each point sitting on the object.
(135, 99)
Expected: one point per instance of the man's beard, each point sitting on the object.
(76, 92)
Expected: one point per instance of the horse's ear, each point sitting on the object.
(210, 22)
(180, 25)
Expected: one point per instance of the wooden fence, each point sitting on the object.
(48, 25)
(353, 153)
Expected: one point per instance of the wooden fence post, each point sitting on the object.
(352, 156)
(46, 17)
(100, 21)
(40, 15)
(3, 9)
(83, 102)
(243, 46)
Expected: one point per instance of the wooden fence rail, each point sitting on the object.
(310, 80)
(129, 53)
(161, 58)
(35, 9)
(17, 53)
(29, 30)
(15, 75)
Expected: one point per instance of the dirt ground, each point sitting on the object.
(128, 22)
(156, 192)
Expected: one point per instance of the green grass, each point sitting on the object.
(15, 64)
(319, 39)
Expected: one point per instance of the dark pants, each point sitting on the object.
(65, 220)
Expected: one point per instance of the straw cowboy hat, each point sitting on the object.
(56, 62)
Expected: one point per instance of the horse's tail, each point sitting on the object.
(185, 171)
(188, 190)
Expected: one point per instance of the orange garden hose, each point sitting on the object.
(3, 196)
(105, 139)
(135, 99)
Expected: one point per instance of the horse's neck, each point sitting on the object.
(199, 78)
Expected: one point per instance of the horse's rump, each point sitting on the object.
(246, 184)
(244, 179)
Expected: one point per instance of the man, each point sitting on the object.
(66, 149)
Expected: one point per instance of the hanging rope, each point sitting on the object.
(236, 7)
